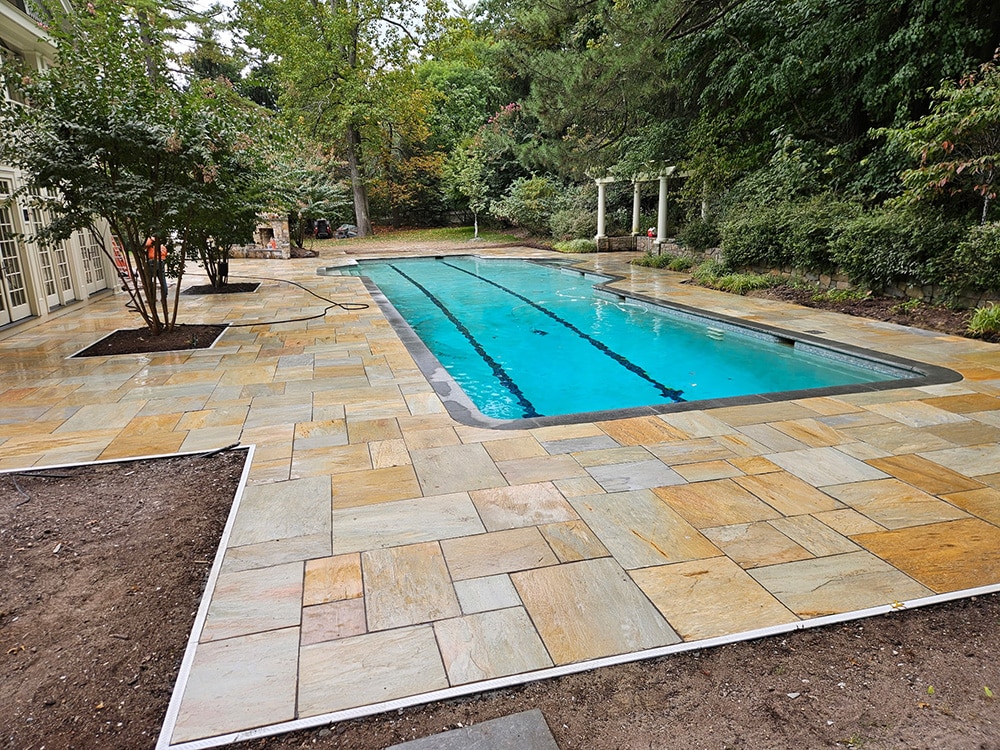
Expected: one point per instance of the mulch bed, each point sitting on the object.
(241, 287)
(140, 341)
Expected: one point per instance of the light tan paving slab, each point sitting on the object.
(522, 505)
(787, 494)
(573, 540)
(252, 601)
(641, 431)
(497, 552)
(894, 504)
(707, 471)
(972, 461)
(620, 619)
(691, 452)
(282, 510)
(330, 579)
(333, 620)
(222, 695)
(641, 530)
(490, 644)
(893, 437)
(925, 475)
(916, 413)
(824, 466)
(541, 469)
(487, 593)
(752, 545)
(357, 488)
(455, 469)
(848, 522)
(718, 503)
(697, 424)
(814, 535)
(407, 586)
(930, 554)
(514, 448)
(842, 583)
(710, 598)
(402, 522)
(368, 669)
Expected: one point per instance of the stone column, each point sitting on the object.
(661, 213)
(601, 204)
(636, 206)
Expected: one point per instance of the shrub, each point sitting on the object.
(699, 235)
(573, 221)
(680, 264)
(576, 246)
(529, 204)
(654, 261)
(977, 259)
(741, 283)
(756, 238)
(890, 245)
(708, 272)
(985, 320)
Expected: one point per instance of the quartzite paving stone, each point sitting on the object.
(497, 552)
(407, 586)
(455, 469)
(709, 598)
(718, 503)
(524, 731)
(573, 540)
(330, 579)
(251, 601)
(925, 475)
(842, 583)
(522, 505)
(825, 466)
(634, 476)
(640, 530)
(484, 594)
(787, 494)
(894, 504)
(368, 669)
(490, 644)
(619, 618)
(752, 545)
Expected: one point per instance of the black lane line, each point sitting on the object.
(505, 380)
(667, 392)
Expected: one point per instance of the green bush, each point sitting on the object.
(755, 237)
(573, 221)
(529, 203)
(890, 245)
(708, 272)
(654, 261)
(576, 246)
(977, 259)
(741, 283)
(680, 264)
(699, 235)
(985, 320)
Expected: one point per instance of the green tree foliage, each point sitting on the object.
(111, 136)
(344, 69)
(957, 144)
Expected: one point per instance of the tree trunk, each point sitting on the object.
(361, 217)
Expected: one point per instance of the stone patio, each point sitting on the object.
(384, 554)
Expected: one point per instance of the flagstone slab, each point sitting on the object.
(357, 488)
(407, 586)
(966, 433)
(706, 471)
(330, 579)
(893, 437)
(573, 540)
(609, 456)
(522, 731)
(402, 522)
(718, 503)
(541, 469)
(388, 453)
(455, 469)
(895, 504)
(916, 413)
(634, 476)
(814, 535)
(924, 474)
(771, 439)
(513, 448)
(497, 552)
(787, 494)
(848, 522)
(368, 669)
(487, 593)
(965, 403)
(752, 545)
(697, 424)
(710, 598)
(691, 451)
(640, 530)
(944, 557)
(283, 510)
(222, 695)
(984, 502)
(619, 618)
(252, 601)
(825, 466)
(490, 644)
(641, 431)
(972, 461)
(522, 505)
(333, 620)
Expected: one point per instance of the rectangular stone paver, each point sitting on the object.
(455, 468)
(490, 644)
(894, 504)
(407, 586)
(497, 552)
(824, 466)
(718, 503)
(251, 601)
(522, 505)
(522, 731)
(619, 618)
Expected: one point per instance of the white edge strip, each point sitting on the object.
(199, 621)
(566, 669)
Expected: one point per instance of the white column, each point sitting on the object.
(601, 204)
(661, 213)
(636, 206)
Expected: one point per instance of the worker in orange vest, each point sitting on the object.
(156, 258)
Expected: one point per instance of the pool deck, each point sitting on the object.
(383, 554)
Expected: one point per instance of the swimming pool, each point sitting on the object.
(530, 341)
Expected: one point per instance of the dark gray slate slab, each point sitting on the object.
(524, 731)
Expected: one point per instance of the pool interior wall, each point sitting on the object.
(898, 372)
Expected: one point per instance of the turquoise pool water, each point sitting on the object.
(525, 339)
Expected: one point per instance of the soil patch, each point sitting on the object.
(140, 341)
(101, 572)
(240, 287)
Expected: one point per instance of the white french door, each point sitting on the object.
(13, 284)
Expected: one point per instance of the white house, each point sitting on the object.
(35, 281)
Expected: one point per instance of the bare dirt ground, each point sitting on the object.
(102, 569)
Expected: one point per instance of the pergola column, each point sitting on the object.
(601, 207)
(661, 212)
(636, 207)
